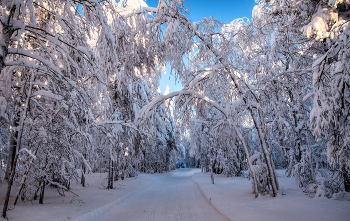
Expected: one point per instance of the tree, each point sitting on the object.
(45, 56)
(330, 113)
(322, 23)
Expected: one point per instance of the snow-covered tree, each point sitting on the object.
(319, 30)
(45, 63)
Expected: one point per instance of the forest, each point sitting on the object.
(79, 80)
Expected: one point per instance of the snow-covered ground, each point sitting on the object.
(171, 197)
(91, 200)
(232, 197)
(179, 196)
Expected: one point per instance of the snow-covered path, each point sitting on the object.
(172, 197)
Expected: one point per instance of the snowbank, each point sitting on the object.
(93, 200)
(233, 198)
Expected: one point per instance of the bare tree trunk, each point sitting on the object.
(82, 181)
(110, 174)
(42, 191)
(83, 170)
(346, 176)
(144, 160)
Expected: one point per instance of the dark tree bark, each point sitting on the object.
(42, 191)
(10, 182)
(82, 181)
(83, 170)
(110, 175)
(346, 177)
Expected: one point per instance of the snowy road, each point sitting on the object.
(172, 197)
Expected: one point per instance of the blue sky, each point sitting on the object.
(222, 10)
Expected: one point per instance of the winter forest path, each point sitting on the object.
(172, 197)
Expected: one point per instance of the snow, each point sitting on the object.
(82, 49)
(110, 122)
(232, 196)
(92, 200)
(308, 96)
(42, 132)
(41, 84)
(36, 57)
(29, 152)
(146, 111)
(47, 94)
(318, 26)
(3, 105)
(169, 196)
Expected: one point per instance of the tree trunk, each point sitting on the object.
(10, 181)
(240, 137)
(12, 151)
(36, 192)
(115, 175)
(13, 145)
(110, 174)
(20, 190)
(267, 154)
(309, 152)
(262, 137)
(83, 170)
(18, 145)
(42, 191)
(5, 35)
(82, 181)
(144, 160)
(24, 179)
(346, 176)
(211, 173)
